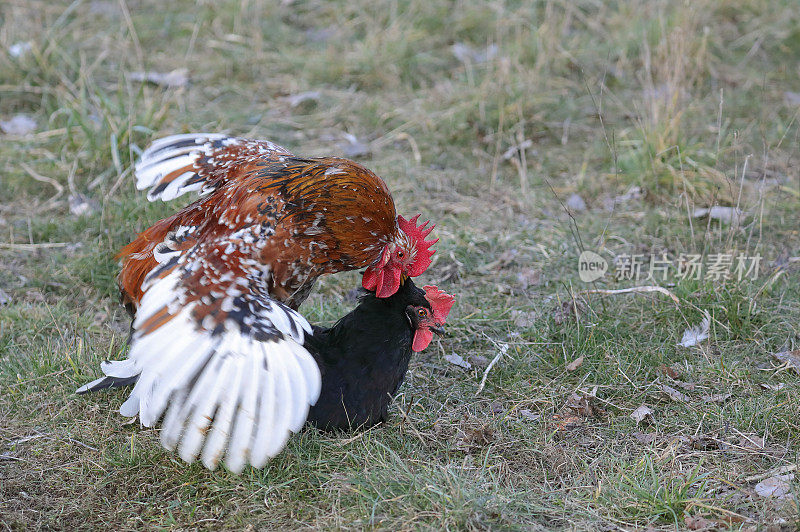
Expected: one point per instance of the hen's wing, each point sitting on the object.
(177, 164)
(223, 358)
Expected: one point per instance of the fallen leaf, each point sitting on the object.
(567, 310)
(782, 470)
(645, 438)
(575, 364)
(18, 125)
(688, 386)
(790, 358)
(674, 394)
(774, 387)
(584, 405)
(777, 487)
(694, 335)
(695, 522)
(642, 414)
(174, 79)
(479, 361)
(670, 372)
(716, 397)
(527, 414)
(721, 213)
(456, 359)
(477, 437)
(568, 422)
(753, 443)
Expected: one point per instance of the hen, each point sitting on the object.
(363, 359)
(364, 356)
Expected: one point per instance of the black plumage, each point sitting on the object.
(364, 358)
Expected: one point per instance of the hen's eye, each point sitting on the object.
(400, 254)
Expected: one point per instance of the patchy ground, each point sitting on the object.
(661, 136)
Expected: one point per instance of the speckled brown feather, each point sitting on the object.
(315, 216)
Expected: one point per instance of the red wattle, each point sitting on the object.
(422, 338)
(388, 282)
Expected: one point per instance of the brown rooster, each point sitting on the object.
(215, 287)
(307, 217)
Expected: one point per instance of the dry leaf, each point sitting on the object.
(642, 414)
(174, 79)
(457, 360)
(777, 487)
(575, 364)
(674, 394)
(697, 334)
(790, 358)
(584, 405)
(774, 387)
(670, 372)
(716, 397)
(695, 522)
(479, 361)
(527, 414)
(688, 386)
(567, 310)
(645, 438)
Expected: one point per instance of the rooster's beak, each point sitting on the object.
(403, 278)
(438, 330)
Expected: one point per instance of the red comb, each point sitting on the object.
(418, 234)
(441, 303)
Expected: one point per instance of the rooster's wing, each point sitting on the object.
(218, 353)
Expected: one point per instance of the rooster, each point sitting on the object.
(270, 214)
(362, 360)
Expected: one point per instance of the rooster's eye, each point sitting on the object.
(400, 254)
(422, 312)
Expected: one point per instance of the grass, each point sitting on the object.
(647, 110)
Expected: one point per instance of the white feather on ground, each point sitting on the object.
(694, 335)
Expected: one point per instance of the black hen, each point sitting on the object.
(364, 357)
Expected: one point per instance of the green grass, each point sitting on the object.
(694, 103)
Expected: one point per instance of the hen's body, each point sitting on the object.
(363, 359)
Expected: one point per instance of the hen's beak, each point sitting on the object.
(438, 330)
